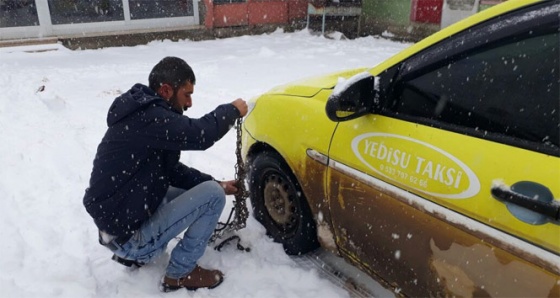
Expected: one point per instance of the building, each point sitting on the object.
(144, 20)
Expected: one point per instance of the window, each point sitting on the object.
(149, 9)
(511, 90)
(18, 13)
(85, 11)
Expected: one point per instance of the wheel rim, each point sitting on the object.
(278, 200)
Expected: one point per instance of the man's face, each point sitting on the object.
(181, 99)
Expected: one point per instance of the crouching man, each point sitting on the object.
(140, 196)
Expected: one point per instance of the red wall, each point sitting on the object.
(269, 12)
(297, 9)
(226, 15)
(426, 11)
(254, 12)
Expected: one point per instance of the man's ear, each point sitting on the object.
(165, 91)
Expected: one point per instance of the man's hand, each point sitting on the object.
(230, 187)
(241, 105)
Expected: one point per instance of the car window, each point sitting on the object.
(499, 86)
(510, 90)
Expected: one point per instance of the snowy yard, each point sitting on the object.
(49, 139)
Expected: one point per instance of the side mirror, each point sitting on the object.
(352, 98)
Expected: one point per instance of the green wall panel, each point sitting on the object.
(397, 11)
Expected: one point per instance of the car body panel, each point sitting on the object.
(290, 133)
(440, 166)
(310, 86)
(425, 254)
(416, 241)
(294, 125)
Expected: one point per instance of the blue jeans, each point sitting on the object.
(197, 210)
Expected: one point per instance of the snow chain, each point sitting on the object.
(239, 204)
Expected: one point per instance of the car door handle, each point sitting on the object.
(550, 209)
(532, 196)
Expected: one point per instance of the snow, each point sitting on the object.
(343, 84)
(49, 139)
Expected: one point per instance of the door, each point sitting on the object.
(416, 191)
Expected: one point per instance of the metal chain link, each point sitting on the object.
(240, 202)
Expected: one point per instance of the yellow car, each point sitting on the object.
(437, 172)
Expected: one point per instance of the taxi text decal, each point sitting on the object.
(417, 164)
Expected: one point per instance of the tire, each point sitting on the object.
(280, 205)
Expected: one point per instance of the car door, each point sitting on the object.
(432, 194)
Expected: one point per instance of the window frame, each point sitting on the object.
(461, 45)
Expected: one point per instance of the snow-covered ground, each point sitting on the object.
(48, 140)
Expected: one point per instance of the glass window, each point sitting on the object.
(148, 9)
(18, 13)
(228, 1)
(512, 90)
(85, 11)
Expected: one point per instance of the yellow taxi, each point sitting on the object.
(437, 171)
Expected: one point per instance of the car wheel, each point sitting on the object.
(280, 205)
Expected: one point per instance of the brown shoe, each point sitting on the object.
(198, 278)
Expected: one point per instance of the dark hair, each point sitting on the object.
(173, 71)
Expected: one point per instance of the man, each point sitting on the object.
(140, 196)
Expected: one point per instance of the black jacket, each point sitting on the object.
(138, 158)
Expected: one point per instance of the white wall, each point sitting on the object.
(456, 10)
